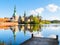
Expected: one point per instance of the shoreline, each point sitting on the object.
(8, 23)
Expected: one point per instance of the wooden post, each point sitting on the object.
(56, 37)
(32, 35)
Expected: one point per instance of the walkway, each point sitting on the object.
(41, 41)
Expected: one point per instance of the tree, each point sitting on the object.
(36, 20)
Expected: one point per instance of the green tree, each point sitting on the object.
(35, 20)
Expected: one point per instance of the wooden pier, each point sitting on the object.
(41, 41)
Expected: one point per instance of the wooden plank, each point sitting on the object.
(41, 41)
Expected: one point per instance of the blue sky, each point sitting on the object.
(48, 9)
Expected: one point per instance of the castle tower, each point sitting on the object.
(15, 17)
(14, 14)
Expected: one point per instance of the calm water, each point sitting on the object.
(18, 34)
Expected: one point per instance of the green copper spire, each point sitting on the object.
(14, 34)
(14, 14)
(24, 13)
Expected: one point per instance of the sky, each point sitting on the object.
(48, 9)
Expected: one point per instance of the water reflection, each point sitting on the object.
(30, 27)
(24, 28)
(18, 34)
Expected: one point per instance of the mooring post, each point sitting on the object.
(56, 37)
(32, 35)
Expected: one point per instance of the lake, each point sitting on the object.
(16, 35)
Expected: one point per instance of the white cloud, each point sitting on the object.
(52, 7)
(39, 10)
(48, 16)
(36, 11)
(33, 12)
(53, 18)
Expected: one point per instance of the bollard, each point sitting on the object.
(32, 35)
(56, 37)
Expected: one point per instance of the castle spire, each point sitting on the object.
(14, 14)
(24, 13)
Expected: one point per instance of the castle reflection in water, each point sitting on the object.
(25, 27)
(28, 27)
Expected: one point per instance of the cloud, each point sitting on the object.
(49, 7)
(52, 7)
(36, 11)
(52, 17)
(39, 10)
(33, 12)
